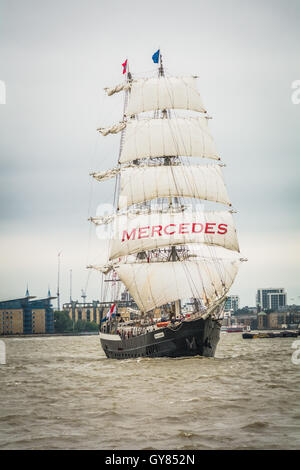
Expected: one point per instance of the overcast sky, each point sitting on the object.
(55, 59)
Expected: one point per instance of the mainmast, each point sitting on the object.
(176, 306)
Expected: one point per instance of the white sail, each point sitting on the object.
(141, 184)
(158, 283)
(134, 233)
(167, 137)
(164, 93)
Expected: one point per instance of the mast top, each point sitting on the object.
(161, 71)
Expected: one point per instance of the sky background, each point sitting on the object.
(55, 59)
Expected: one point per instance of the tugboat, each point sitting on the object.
(166, 246)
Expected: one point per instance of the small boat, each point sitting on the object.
(271, 334)
(232, 329)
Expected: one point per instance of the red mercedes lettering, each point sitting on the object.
(128, 236)
(222, 228)
(194, 228)
(209, 227)
(167, 226)
(156, 229)
(183, 227)
(142, 233)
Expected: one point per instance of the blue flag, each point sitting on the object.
(155, 57)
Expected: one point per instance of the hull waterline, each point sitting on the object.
(191, 338)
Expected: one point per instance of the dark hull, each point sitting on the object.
(192, 338)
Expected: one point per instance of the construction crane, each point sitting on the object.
(58, 279)
(83, 295)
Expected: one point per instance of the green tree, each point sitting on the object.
(92, 326)
(62, 322)
(82, 325)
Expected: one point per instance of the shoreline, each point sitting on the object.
(94, 333)
(50, 335)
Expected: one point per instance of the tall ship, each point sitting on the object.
(172, 238)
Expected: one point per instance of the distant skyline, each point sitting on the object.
(89, 300)
(56, 58)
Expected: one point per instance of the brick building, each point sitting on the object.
(26, 316)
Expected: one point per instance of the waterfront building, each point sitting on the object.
(270, 298)
(262, 320)
(86, 311)
(247, 318)
(26, 316)
(279, 320)
(232, 303)
(273, 321)
(284, 319)
(125, 296)
(95, 311)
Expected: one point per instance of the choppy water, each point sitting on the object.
(62, 393)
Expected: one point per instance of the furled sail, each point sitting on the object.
(167, 137)
(139, 184)
(113, 129)
(158, 283)
(134, 233)
(116, 89)
(152, 94)
(106, 174)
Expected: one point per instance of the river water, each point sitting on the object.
(62, 393)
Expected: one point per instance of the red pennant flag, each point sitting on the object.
(124, 66)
